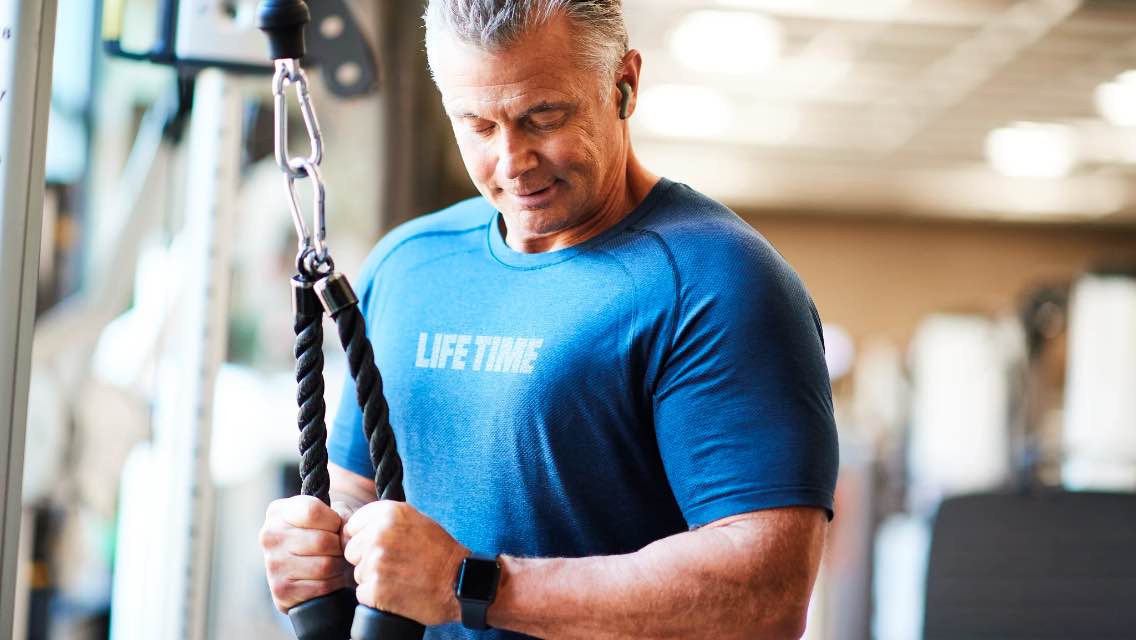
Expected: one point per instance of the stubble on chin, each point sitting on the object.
(538, 221)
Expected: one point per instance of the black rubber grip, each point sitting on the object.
(372, 624)
(324, 618)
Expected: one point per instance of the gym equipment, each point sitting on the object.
(318, 288)
(192, 36)
(1038, 564)
(959, 440)
(164, 559)
(1099, 438)
(27, 36)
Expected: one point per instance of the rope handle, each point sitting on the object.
(328, 617)
(307, 322)
(342, 305)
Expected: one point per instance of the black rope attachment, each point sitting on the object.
(307, 321)
(328, 617)
(341, 304)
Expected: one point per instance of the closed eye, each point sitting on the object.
(547, 116)
(478, 125)
(548, 119)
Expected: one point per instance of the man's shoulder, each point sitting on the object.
(698, 233)
(459, 218)
(454, 224)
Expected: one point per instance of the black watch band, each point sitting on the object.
(474, 614)
(476, 588)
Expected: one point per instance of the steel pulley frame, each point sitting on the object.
(318, 288)
(191, 35)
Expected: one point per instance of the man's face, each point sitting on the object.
(539, 133)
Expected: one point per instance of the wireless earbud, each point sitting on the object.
(625, 101)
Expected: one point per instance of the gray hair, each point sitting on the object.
(492, 25)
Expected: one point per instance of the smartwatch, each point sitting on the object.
(476, 588)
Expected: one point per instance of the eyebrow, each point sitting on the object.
(539, 108)
(546, 106)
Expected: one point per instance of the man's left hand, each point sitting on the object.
(405, 563)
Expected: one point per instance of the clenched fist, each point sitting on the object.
(405, 563)
(303, 550)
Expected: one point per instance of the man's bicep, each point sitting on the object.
(790, 529)
(766, 562)
(742, 406)
(783, 545)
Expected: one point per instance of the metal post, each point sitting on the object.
(27, 37)
(163, 556)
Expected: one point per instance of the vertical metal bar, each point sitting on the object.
(170, 564)
(210, 213)
(27, 37)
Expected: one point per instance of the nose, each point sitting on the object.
(516, 154)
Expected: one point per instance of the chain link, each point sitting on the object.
(312, 258)
(288, 72)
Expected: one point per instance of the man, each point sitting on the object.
(599, 376)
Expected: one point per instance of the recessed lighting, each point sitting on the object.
(727, 42)
(1116, 100)
(1032, 150)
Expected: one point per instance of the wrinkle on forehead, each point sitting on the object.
(518, 89)
(540, 65)
(506, 99)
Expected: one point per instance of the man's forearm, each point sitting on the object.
(350, 488)
(737, 579)
(353, 499)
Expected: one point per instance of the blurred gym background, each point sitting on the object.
(955, 180)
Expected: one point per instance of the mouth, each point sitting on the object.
(536, 198)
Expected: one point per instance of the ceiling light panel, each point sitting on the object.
(1032, 150)
(1116, 100)
(728, 42)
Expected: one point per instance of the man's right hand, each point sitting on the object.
(303, 550)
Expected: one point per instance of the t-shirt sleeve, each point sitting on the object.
(742, 401)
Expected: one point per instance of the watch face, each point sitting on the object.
(478, 580)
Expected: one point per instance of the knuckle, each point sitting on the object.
(386, 510)
(269, 537)
(279, 587)
(386, 537)
(273, 564)
(280, 506)
(379, 555)
(311, 510)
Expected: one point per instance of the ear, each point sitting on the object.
(627, 83)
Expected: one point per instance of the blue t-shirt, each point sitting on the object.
(588, 401)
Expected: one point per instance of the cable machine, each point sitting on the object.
(27, 38)
(166, 486)
(202, 44)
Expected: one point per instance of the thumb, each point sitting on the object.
(345, 512)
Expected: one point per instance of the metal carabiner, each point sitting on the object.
(314, 241)
(288, 72)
